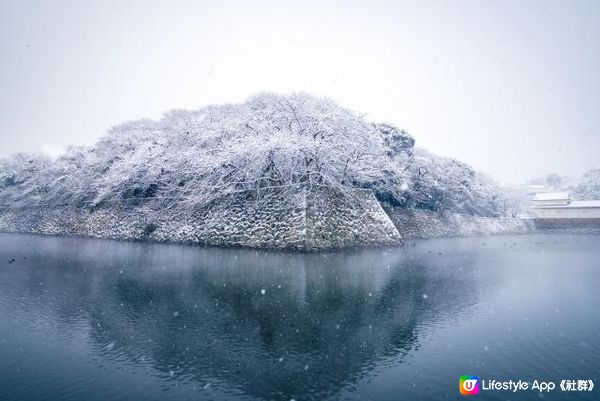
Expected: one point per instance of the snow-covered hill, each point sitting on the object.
(190, 160)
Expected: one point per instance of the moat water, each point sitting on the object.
(84, 319)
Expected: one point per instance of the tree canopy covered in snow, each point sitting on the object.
(588, 186)
(188, 159)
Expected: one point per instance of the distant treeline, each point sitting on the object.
(586, 187)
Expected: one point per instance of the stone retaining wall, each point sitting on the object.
(574, 226)
(358, 214)
(418, 223)
(319, 219)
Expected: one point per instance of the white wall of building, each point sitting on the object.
(566, 212)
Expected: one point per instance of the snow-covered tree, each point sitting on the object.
(588, 186)
(444, 184)
(188, 159)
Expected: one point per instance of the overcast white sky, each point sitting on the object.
(511, 87)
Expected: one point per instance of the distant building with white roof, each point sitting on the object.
(559, 206)
(551, 199)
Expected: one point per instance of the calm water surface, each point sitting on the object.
(102, 320)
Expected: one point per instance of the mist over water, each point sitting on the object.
(93, 319)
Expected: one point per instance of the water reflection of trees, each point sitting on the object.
(273, 326)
